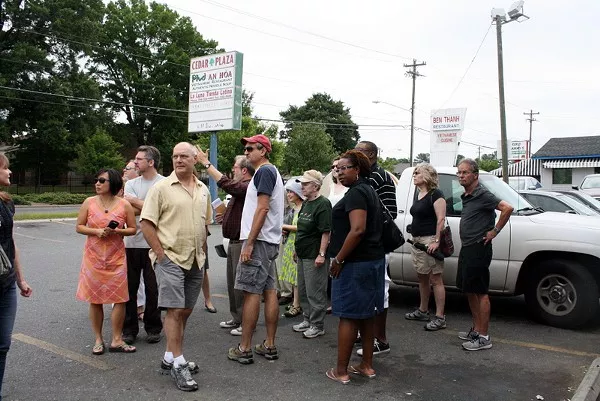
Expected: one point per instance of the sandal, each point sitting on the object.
(331, 375)
(357, 371)
(126, 348)
(98, 349)
(293, 312)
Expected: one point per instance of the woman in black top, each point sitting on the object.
(357, 266)
(429, 215)
(9, 283)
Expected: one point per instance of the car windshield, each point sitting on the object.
(591, 182)
(499, 188)
(577, 206)
(584, 198)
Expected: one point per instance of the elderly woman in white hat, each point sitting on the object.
(312, 238)
(289, 270)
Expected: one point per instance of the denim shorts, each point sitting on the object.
(258, 274)
(358, 292)
(177, 287)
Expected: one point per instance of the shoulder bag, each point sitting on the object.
(446, 243)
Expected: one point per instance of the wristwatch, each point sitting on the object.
(322, 254)
(437, 240)
(207, 165)
(496, 230)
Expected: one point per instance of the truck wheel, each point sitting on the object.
(562, 294)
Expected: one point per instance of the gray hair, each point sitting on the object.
(472, 163)
(152, 153)
(243, 162)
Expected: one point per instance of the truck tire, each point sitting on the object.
(562, 293)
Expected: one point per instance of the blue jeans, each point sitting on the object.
(8, 311)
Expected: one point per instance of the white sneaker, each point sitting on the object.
(300, 327)
(229, 324)
(237, 331)
(313, 332)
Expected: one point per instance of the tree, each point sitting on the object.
(422, 158)
(488, 162)
(97, 152)
(390, 163)
(308, 147)
(321, 108)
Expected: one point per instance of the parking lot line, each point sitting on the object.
(94, 363)
(40, 238)
(534, 345)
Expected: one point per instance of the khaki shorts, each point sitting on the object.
(422, 261)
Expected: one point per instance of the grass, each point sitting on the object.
(44, 216)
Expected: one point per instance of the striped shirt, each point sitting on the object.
(382, 183)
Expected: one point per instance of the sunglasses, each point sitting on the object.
(249, 148)
(334, 166)
(101, 180)
(343, 168)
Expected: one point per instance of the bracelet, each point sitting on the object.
(337, 261)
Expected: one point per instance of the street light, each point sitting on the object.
(499, 18)
(411, 124)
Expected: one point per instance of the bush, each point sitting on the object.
(56, 198)
(20, 200)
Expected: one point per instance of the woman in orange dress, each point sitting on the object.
(103, 276)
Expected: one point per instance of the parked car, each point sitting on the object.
(519, 183)
(590, 185)
(582, 197)
(557, 202)
(552, 258)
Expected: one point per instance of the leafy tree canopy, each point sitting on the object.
(97, 152)
(308, 147)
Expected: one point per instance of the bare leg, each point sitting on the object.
(347, 332)
(474, 306)
(249, 318)
(439, 293)
(424, 292)
(206, 290)
(380, 327)
(366, 332)
(272, 315)
(96, 318)
(296, 301)
(484, 313)
(174, 330)
(117, 319)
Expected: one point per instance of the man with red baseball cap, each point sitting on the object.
(262, 221)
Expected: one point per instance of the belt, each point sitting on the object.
(235, 241)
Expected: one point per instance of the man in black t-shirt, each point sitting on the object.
(383, 184)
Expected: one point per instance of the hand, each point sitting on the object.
(102, 232)
(431, 248)
(160, 257)
(25, 288)
(202, 157)
(335, 269)
(295, 257)
(219, 218)
(489, 236)
(319, 261)
(129, 198)
(246, 253)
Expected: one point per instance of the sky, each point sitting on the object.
(356, 50)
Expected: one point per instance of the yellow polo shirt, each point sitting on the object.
(180, 219)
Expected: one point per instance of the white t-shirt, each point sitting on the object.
(138, 187)
(266, 181)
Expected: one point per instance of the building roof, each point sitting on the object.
(573, 148)
(528, 167)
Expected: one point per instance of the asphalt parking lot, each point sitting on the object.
(51, 354)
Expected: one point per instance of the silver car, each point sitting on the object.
(557, 202)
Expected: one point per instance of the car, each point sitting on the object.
(557, 202)
(519, 183)
(582, 197)
(590, 185)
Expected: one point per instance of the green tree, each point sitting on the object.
(390, 163)
(97, 152)
(321, 108)
(308, 147)
(422, 158)
(488, 162)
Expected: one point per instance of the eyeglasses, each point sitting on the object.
(129, 168)
(333, 167)
(249, 148)
(101, 180)
(464, 172)
(343, 168)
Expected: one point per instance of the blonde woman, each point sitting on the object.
(429, 216)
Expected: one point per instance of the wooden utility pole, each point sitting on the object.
(531, 120)
(414, 74)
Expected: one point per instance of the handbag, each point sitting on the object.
(391, 236)
(5, 266)
(446, 243)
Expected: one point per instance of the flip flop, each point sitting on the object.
(331, 375)
(126, 348)
(357, 371)
(98, 349)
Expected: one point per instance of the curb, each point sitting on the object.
(589, 389)
(45, 220)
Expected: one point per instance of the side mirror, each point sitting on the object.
(575, 187)
(532, 187)
(571, 212)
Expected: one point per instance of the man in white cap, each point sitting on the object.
(262, 221)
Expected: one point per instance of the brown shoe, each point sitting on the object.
(293, 312)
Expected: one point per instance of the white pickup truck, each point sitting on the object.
(552, 258)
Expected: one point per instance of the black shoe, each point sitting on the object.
(153, 338)
(129, 339)
(183, 378)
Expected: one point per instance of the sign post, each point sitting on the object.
(215, 100)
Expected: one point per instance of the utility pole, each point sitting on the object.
(531, 120)
(503, 138)
(414, 74)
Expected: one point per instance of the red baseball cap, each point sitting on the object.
(262, 139)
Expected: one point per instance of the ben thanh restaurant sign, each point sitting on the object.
(215, 101)
(446, 129)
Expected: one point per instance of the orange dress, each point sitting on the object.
(103, 276)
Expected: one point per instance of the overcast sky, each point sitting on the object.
(355, 51)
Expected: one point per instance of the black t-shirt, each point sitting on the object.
(359, 196)
(7, 211)
(424, 219)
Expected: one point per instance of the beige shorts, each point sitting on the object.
(424, 263)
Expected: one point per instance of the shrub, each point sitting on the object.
(56, 198)
(20, 200)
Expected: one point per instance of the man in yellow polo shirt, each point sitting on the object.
(173, 221)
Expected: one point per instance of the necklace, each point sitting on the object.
(104, 206)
